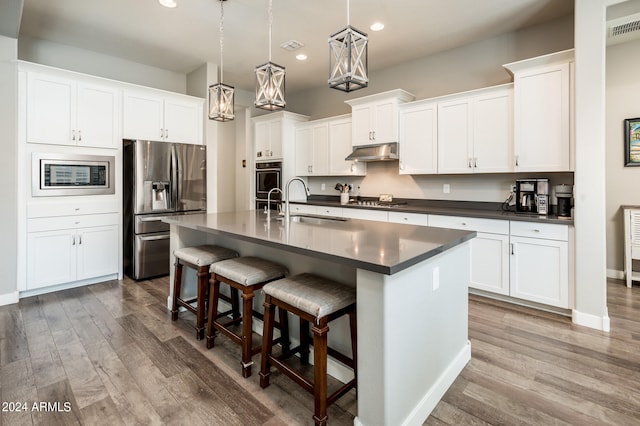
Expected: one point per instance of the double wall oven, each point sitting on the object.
(268, 176)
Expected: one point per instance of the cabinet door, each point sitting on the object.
(419, 140)
(385, 122)
(51, 258)
(379, 215)
(540, 270)
(493, 132)
(340, 147)
(261, 140)
(541, 119)
(362, 125)
(489, 268)
(454, 137)
(97, 251)
(304, 153)
(320, 150)
(183, 120)
(409, 218)
(98, 116)
(51, 109)
(143, 116)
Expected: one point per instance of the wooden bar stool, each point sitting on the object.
(315, 300)
(247, 275)
(199, 258)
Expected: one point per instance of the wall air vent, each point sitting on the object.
(291, 45)
(623, 29)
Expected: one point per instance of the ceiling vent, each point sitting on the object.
(291, 45)
(623, 29)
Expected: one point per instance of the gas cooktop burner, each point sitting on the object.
(376, 203)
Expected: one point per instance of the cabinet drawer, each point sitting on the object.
(329, 211)
(490, 226)
(378, 215)
(409, 218)
(35, 210)
(71, 222)
(303, 208)
(540, 230)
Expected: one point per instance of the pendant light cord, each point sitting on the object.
(221, 40)
(270, 24)
(348, 8)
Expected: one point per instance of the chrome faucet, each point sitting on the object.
(287, 211)
(268, 212)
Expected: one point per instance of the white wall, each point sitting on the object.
(623, 85)
(8, 168)
(93, 63)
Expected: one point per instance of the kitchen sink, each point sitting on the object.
(314, 220)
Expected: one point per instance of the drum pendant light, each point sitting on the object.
(270, 79)
(348, 58)
(221, 96)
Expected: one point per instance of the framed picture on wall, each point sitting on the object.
(632, 142)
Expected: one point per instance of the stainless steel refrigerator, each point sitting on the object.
(159, 179)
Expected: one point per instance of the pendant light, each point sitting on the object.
(348, 58)
(221, 96)
(270, 79)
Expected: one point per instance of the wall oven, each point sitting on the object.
(72, 174)
(268, 176)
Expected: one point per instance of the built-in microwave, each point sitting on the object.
(72, 174)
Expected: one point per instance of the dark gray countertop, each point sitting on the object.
(381, 247)
(446, 208)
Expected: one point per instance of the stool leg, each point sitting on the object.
(214, 296)
(354, 346)
(267, 341)
(247, 321)
(320, 331)
(304, 341)
(235, 303)
(284, 329)
(177, 284)
(203, 276)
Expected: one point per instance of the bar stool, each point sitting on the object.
(247, 275)
(199, 258)
(317, 300)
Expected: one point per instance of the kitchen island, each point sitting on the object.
(411, 288)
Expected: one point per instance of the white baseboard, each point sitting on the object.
(592, 321)
(9, 298)
(65, 286)
(615, 274)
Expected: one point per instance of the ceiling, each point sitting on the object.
(183, 38)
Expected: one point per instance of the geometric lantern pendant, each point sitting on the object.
(221, 100)
(270, 86)
(348, 60)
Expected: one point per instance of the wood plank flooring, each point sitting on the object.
(112, 354)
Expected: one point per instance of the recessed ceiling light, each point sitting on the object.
(168, 3)
(377, 26)
(301, 57)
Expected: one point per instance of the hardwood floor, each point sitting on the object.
(112, 354)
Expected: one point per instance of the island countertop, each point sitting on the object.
(380, 247)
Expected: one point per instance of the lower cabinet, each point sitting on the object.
(489, 270)
(86, 247)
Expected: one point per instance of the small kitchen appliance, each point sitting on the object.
(564, 195)
(532, 196)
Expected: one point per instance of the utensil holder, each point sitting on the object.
(344, 197)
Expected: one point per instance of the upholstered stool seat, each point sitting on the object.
(316, 300)
(199, 258)
(247, 275)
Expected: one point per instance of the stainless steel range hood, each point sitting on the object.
(376, 152)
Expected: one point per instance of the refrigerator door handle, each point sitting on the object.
(153, 237)
(174, 173)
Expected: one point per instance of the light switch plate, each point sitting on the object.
(386, 198)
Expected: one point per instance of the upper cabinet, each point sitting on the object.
(542, 112)
(160, 116)
(419, 138)
(375, 117)
(274, 136)
(69, 111)
(475, 132)
(322, 146)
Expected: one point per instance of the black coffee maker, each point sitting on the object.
(564, 195)
(532, 196)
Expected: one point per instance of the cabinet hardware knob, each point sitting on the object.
(73, 240)
(517, 158)
(162, 133)
(79, 239)
(464, 224)
(469, 163)
(166, 133)
(79, 135)
(475, 162)
(512, 249)
(73, 135)
(536, 230)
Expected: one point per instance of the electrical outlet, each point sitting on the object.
(446, 188)
(513, 187)
(323, 186)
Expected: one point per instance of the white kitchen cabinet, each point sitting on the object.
(378, 215)
(312, 149)
(542, 109)
(475, 132)
(539, 263)
(162, 116)
(340, 148)
(418, 138)
(489, 260)
(303, 208)
(72, 111)
(274, 139)
(375, 117)
(62, 250)
(409, 218)
(330, 211)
